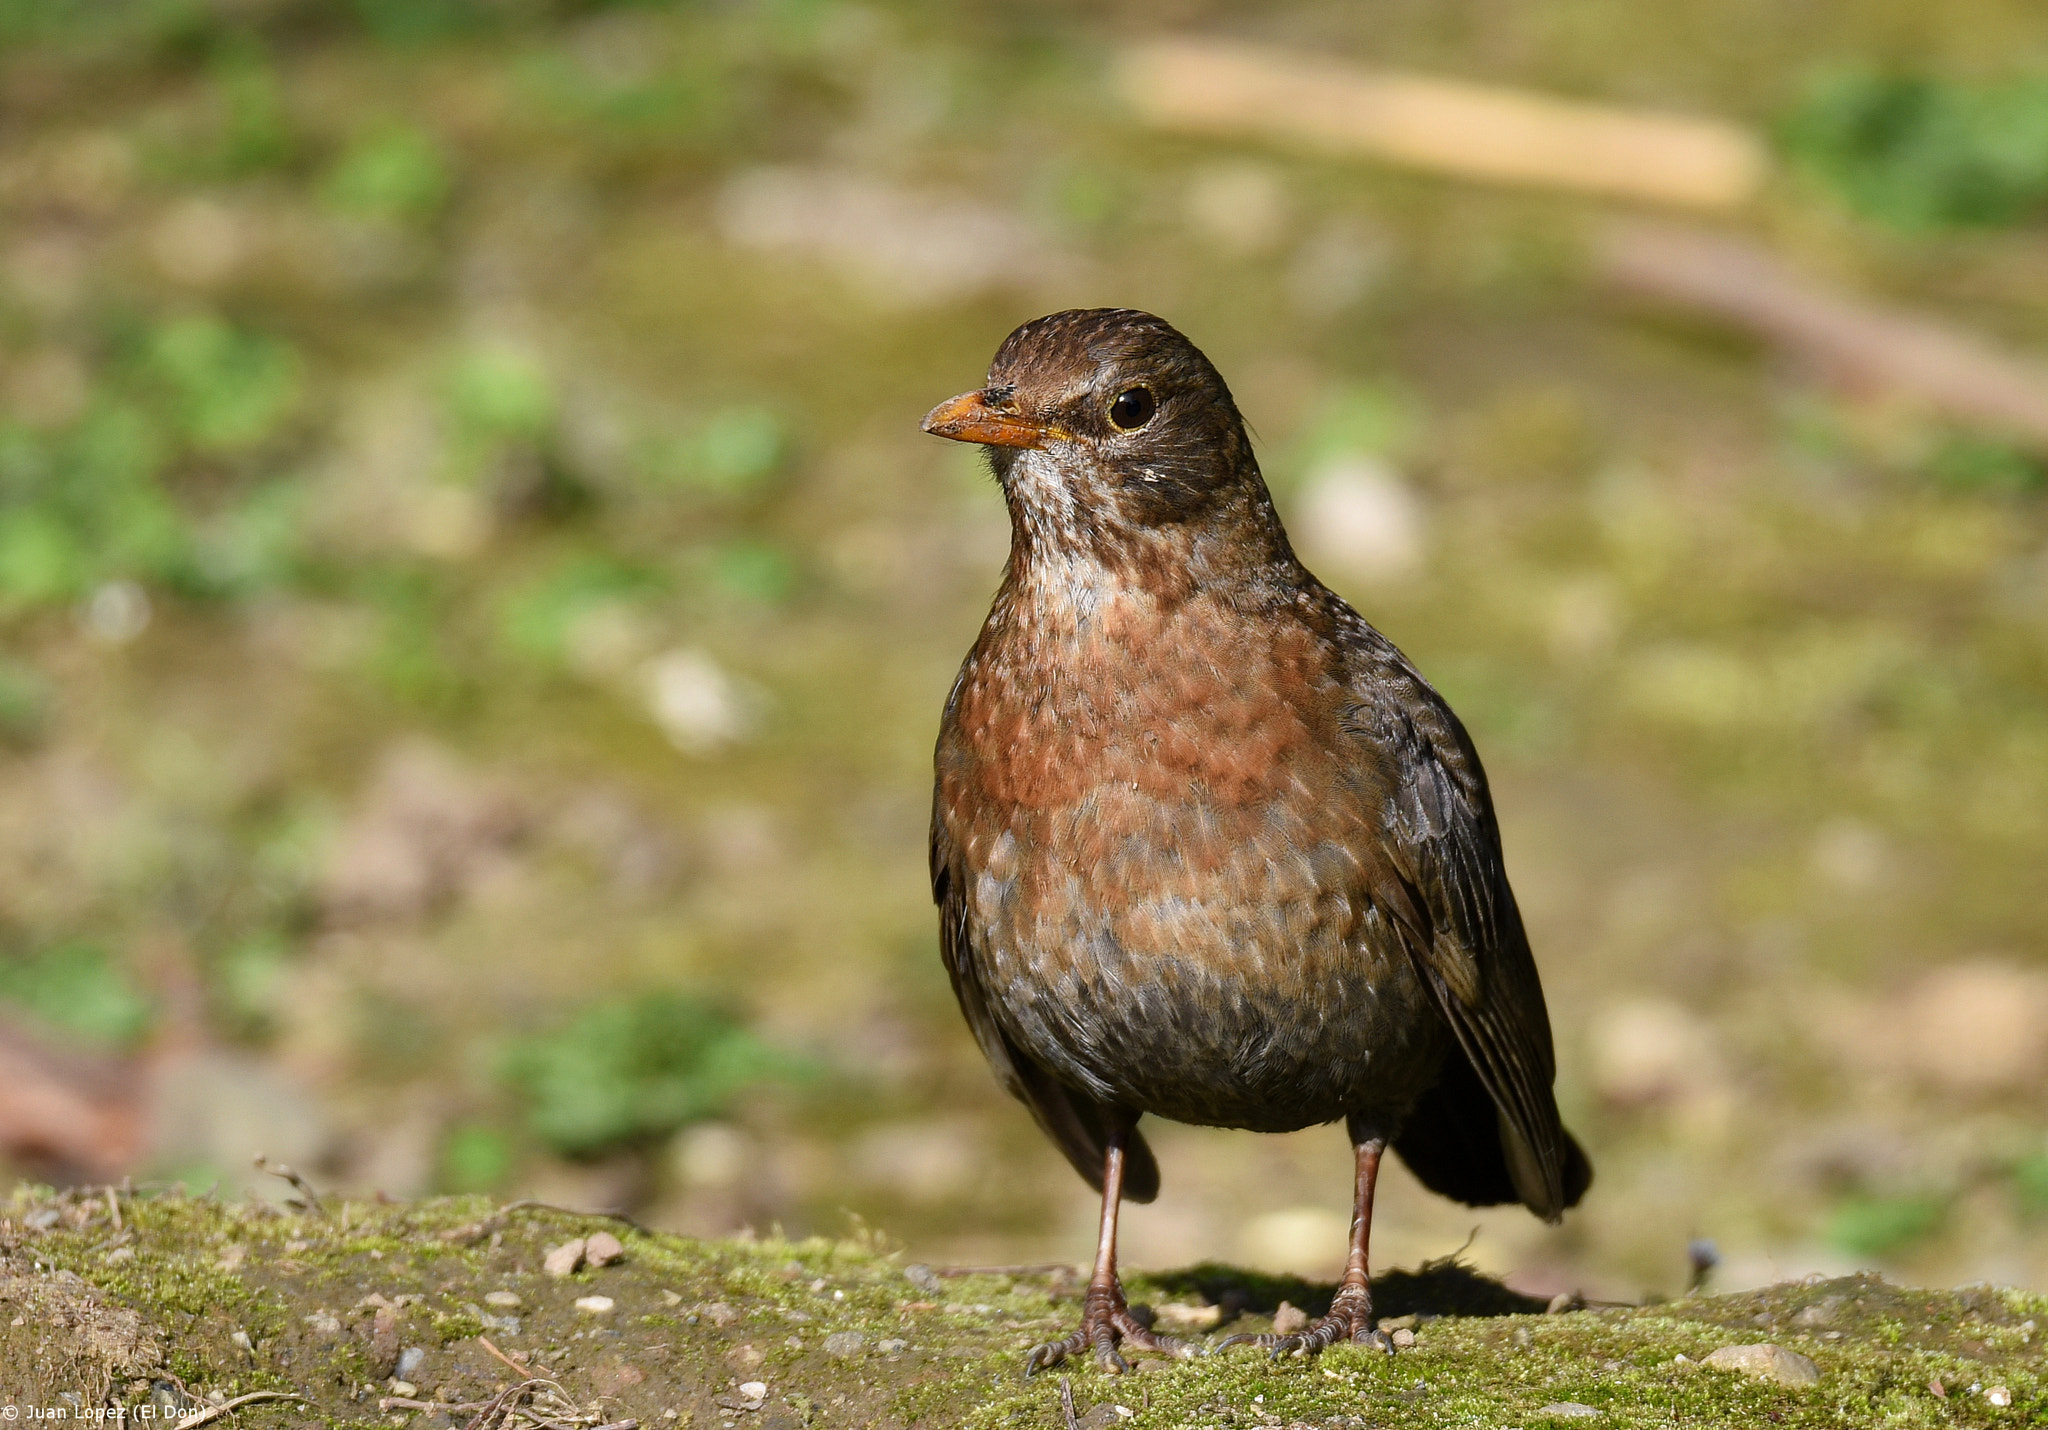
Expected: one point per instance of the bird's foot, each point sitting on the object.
(1350, 1319)
(1106, 1325)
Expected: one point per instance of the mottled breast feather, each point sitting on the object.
(1168, 864)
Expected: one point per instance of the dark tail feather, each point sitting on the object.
(1452, 1144)
(1081, 1128)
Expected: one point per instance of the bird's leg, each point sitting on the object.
(1106, 1319)
(1350, 1317)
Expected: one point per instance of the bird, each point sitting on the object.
(1205, 845)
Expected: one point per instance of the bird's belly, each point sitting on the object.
(1263, 994)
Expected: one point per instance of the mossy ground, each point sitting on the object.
(239, 1297)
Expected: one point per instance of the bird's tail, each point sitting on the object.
(1456, 1144)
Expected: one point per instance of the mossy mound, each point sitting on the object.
(403, 1315)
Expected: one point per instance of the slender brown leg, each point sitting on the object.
(1350, 1317)
(1106, 1318)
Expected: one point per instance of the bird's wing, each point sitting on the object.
(1445, 883)
(1078, 1126)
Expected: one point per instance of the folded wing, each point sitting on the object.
(1489, 1132)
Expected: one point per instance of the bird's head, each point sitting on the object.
(1109, 431)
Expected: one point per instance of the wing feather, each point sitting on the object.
(1459, 918)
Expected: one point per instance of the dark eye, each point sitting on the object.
(1132, 409)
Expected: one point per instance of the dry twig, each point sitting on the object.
(213, 1413)
(299, 1183)
(1859, 343)
(1476, 131)
(523, 1370)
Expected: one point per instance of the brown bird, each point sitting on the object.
(1204, 843)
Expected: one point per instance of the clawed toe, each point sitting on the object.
(1051, 1353)
(1277, 1345)
(1350, 1319)
(1110, 1329)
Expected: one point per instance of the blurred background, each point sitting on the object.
(476, 603)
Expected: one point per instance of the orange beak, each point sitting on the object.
(969, 418)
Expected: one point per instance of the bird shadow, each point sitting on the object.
(1446, 1287)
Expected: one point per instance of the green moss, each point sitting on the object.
(326, 1319)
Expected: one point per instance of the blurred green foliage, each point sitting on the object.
(409, 22)
(98, 498)
(77, 988)
(496, 392)
(226, 390)
(1972, 462)
(24, 702)
(632, 1069)
(393, 172)
(753, 570)
(1353, 419)
(245, 978)
(1921, 153)
(734, 452)
(254, 130)
(474, 1158)
(1867, 1224)
(537, 620)
(2030, 1184)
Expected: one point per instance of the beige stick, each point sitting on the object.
(1451, 126)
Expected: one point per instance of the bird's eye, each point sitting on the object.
(1132, 409)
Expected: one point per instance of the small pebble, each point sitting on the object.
(507, 1299)
(891, 1346)
(1403, 1339)
(1186, 1316)
(409, 1362)
(1568, 1410)
(594, 1305)
(841, 1344)
(602, 1249)
(1765, 1361)
(1289, 1319)
(754, 1389)
(922, 1277)
(405, 1388)
(671, 1298)
(1998, 1395)
(564, 1259)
